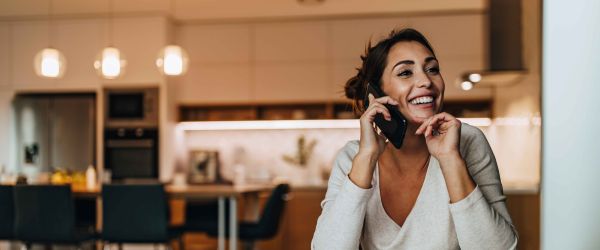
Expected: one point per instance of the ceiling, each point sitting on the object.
(210, 10)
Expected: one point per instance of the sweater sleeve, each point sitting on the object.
(481, 219)
(343, 210)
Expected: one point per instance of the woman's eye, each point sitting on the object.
(405, 73)
(434, 70)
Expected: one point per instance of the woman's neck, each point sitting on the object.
(411, 157)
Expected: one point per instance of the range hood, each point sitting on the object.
(504, 48)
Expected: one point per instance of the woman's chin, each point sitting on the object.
(419, 118)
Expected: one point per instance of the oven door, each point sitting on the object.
(131, 158)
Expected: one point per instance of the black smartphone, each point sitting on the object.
(394, 129)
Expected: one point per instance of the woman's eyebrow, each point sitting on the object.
(430, 58)
(411, 62)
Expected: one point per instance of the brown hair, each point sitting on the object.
(374, 62)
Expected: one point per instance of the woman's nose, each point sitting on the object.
(424, 82)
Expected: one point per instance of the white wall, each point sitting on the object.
(570, 197)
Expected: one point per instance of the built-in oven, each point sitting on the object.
(131, 153)
(131, 107)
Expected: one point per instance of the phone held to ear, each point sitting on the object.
(394, 129)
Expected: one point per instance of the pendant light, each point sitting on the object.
(172, 60)
(49, 62)
(110, 62)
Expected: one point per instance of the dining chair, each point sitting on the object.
(7, 213)
(265, 228)
(45, 214)
(136, 213)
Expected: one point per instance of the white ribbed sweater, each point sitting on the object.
(353, 216)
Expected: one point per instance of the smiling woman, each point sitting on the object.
(439, 190)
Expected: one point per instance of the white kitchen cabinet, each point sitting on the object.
(209, 44)
(80, 41)
(307, 61)
(349, 37)
(455, 35)
(214, 84)
(5, 51)
(140, 40)
(301, 41)
(28, 38)
(292, 82)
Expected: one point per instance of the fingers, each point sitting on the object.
(382, 100)
(377, 105)
(375, 109)
(434, 122)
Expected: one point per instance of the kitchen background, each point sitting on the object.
(290, 57)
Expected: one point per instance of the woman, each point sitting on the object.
(440, 190)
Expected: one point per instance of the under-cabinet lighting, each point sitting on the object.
(276, 124)
(295, 124)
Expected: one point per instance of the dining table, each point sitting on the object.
(221, 192)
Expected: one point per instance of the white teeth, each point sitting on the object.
(422, 100)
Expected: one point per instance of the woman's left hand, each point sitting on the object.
(445, 142)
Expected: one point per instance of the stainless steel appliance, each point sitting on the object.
(55, 131)
(126, 108)
(131, 153)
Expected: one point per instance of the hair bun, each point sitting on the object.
(354, 87)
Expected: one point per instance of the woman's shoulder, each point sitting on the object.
(346, 154)
(471, 138)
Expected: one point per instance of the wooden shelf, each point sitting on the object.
(307, 111)
(267, 111)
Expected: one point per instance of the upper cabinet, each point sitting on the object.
(5, 51)
(219, 68)
(80, 40)
(311, 60)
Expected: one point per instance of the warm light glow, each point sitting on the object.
(295, 124)
(49, 63)
(172, 60)
(265, 125)
(477, 122)
(466, 85)
(475, 77)
(110, 63)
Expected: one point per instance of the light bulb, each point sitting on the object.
(172, 60)
(475, 77)
(466, 85)
(49, 63)
(110, 63)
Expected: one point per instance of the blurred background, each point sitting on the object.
(191, 93)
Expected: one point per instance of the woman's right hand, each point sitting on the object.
(372, 143)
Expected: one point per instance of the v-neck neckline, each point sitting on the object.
(380, 201)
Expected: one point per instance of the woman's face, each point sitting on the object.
(412, 77)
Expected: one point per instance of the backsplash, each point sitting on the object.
(261, 152)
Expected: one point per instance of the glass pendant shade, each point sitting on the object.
(50, 63)
(172, 60)
(110, 63)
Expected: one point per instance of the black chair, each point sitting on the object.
(201, 215)
(136, 214)
(45, 215)
(265, 228)
(7, 213)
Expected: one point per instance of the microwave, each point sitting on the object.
(131, 107)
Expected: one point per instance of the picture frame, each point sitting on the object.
(203, 166)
